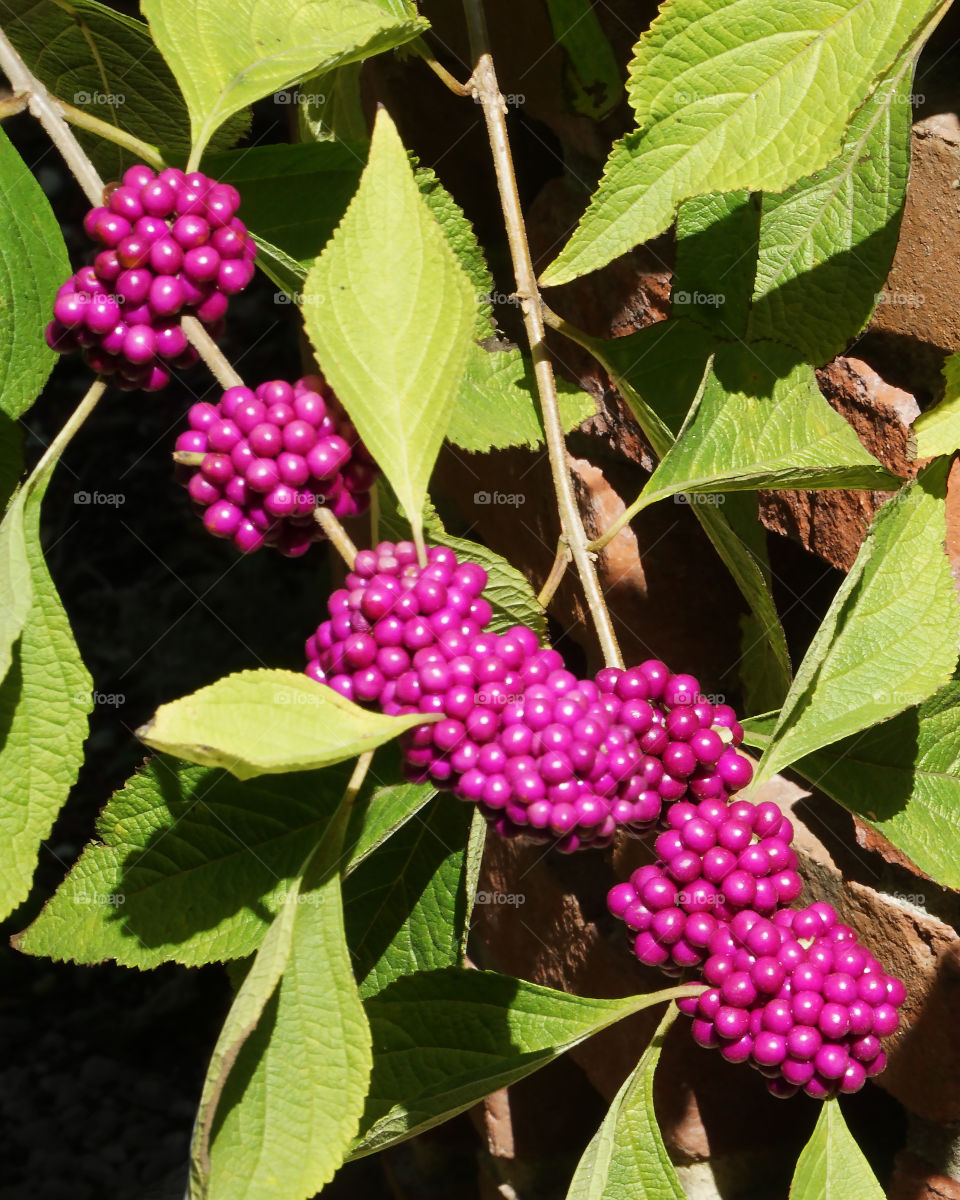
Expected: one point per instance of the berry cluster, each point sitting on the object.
(715, 860)
(799, 999)
(270, 458)
(172, 246)
(545, 755)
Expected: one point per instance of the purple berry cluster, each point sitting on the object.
(583, 758)
(715, 860)
(172, 245)
(271, 457)
(546, 756)
(799, 999)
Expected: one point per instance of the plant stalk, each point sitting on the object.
(486, 90)
(112, 133)
(441, 72)
(70, 427)
(49, 113)
(339, 538)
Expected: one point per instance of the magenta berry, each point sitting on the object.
(271, 487)
(170, 245)
(803, 1035)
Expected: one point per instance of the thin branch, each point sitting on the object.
(621, 522)
(339, 538)
(48, 112)
(220, 367)
(11, 104)
(421, 48)
(112, 133)
(487, 91)
(557, 572)
(70, 427)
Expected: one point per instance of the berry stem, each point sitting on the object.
(356, 779)
(339, 538)
(48, 112)
(557, 572)
(486, 90)
(421, 48)
(189, 458)
(111, 133)
(70, 427)
(12, 104)
(211, 353)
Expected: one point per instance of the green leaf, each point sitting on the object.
(44, 702)
(592, 76)
(831, 1166)
(397, 319)
(388, 809)
(462, 240)
(508, 591)
(330, 108)
(937, 431)
(762, 422)
(294, 1097)
(497, 405)
(762, 687)
(293, 196)
(264, 722)
(105, 63)
(659, 371)
(445, 1039)
(191, 865)
(626, 1158)
(226, 54)
(890, 637)
(16, 583)
(33, 264)
(473, 861)
(901, 777)
(826, 244)
(253, 993)
(716, 261)
(11, 457)
(497, 402)
(726, 98)
(406, 906)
